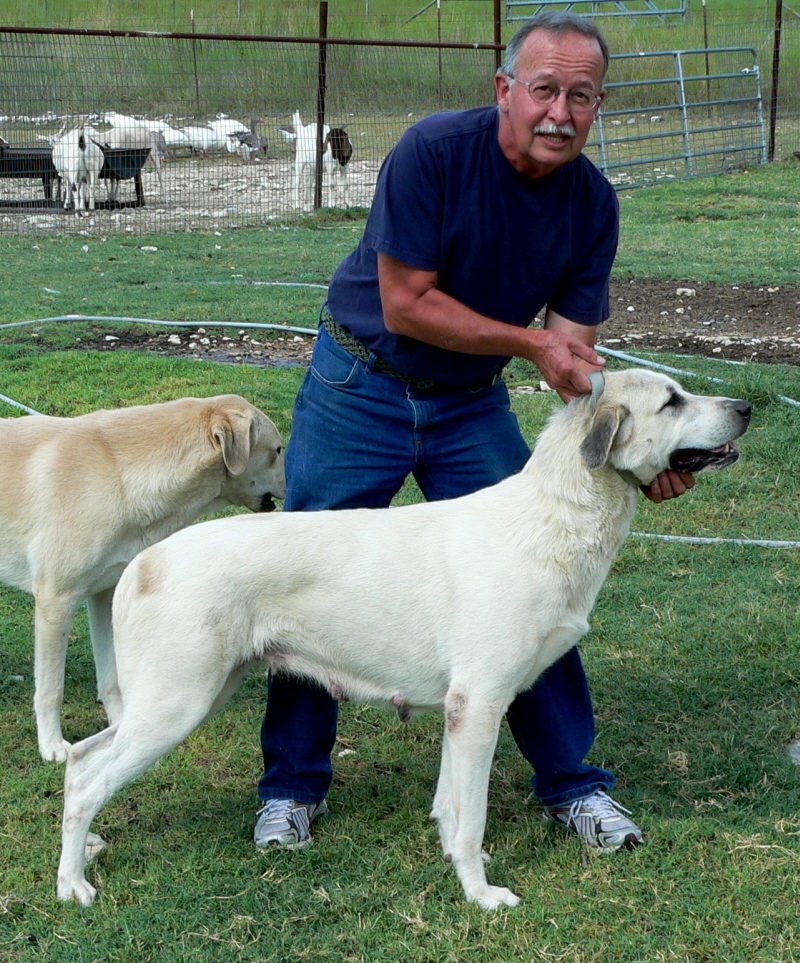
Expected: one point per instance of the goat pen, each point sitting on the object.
(213, 116)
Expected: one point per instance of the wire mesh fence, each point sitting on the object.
(198, 131)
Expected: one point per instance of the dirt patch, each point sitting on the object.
(737, 323)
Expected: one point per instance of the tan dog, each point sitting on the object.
(80, 497)
(460, 604)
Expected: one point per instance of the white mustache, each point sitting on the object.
(565, 130)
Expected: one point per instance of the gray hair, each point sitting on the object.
(556, 22)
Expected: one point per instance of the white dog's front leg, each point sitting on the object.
(52, 623)
(99, 606)
(461, 797)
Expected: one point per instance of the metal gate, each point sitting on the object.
(525, 9)
(698, 112)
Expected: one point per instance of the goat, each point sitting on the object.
(78, 162)
(342, 150)
(336, 148)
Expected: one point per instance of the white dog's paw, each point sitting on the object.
(54, 750)
(94, 846)
(81, 891)
(493, 897)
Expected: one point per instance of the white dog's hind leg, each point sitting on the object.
(99, 606)
(52, 623)
(98, 767)
(86, 765)
(470, 736)
(160, 709)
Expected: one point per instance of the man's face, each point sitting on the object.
(569, 61)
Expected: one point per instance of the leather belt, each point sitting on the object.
(359, 350)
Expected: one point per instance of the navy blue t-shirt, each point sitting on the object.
(448, 200)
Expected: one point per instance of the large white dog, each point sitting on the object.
(460, 604)
(80, 497)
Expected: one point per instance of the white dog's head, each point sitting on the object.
(643, 422)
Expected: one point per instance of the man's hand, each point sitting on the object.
(565, 362)
(669, 484)
(565, 355)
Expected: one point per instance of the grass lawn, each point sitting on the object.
(693, 661)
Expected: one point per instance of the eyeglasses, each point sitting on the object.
(580, 99)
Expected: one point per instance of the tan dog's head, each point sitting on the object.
(252, 452)
(643, 422)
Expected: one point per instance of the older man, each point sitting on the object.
(481, 219)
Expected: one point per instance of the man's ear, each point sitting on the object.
(502, 87)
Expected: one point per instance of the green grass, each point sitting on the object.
(693, 661)
(738, 228)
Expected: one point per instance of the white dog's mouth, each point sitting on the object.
(695, 460)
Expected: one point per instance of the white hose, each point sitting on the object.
(678, 371)
(172, 324)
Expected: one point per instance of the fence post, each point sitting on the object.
(194, 59)
(602, 162)
(776, 61)
(498, 36)
(321, 87)
(687, 137)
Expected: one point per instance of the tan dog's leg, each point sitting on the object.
(461, 797)
(52, 624)
(99, 606)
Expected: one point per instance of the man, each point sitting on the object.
(481, 218)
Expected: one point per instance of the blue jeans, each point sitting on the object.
(356, 435)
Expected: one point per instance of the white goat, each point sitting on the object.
(78, 161)
(336, 153)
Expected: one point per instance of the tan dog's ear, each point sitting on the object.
(233, 431)
(596, 446)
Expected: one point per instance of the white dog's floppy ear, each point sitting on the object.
(596, 446)
(232, 431)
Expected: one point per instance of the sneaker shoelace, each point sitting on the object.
(275, 809)
(601, 805)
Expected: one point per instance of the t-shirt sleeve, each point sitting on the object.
(405, 220)
(584, 296)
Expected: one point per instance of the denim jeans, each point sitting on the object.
(356, 435)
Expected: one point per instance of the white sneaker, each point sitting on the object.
(600, 821)
(286, 823)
